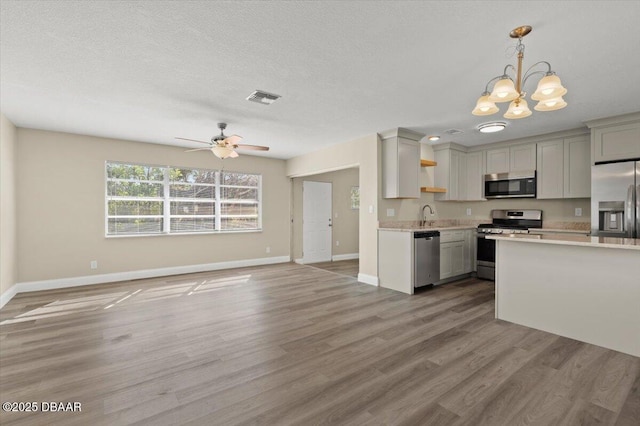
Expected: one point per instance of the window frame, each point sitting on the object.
(166, 199)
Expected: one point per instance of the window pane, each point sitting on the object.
(132, 171)
(196, 224)
(239, 193)
(191, 191)
(134, 189)
(192, 208)
(136, 208)
(192, 175)
(119, 226)
(239, 209)
(242, 179)
(239, 223)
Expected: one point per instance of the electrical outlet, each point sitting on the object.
(268, 249)
(468, 212)
(336, 215)
(578, 211)
(370, 209)
(337, 243)
(391, 212)
(94, 264)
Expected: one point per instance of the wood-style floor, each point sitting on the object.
(342, 267)
(293, 344)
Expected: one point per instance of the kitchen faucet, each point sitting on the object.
(423, 222)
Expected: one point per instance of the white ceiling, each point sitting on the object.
(151, 71)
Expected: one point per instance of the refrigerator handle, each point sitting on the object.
(629, 212)
(637, 212)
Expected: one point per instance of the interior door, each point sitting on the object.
(316, 222)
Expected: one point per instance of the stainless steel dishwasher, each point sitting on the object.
(426, 249)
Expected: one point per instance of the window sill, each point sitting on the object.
(182, 234)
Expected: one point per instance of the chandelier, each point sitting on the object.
(548, 93)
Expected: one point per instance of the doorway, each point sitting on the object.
(316, 221)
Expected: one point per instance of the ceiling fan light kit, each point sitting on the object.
(224, 146)
(548, 93)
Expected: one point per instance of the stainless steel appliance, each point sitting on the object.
(510, 185)
(615, 199)
(503, 222)
(427, 258)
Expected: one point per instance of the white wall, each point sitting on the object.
(8, 216)
(364, 153)
(345, 225)
(61, 202)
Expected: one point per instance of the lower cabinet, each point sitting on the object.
(457, 253)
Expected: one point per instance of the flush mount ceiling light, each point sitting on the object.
(548, 93)
(434, 138)
(495, 126)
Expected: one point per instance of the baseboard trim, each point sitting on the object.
(8, 295)
(299, 261)
(368, 279)
(348, 256)
(136, 275)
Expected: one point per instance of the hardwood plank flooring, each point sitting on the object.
(296, 344)
(342, 267)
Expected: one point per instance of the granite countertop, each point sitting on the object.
(572, 240)
(429, 228)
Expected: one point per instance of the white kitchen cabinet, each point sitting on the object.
(461, 173)
(515, 158)
(474, 176)
(563, 169)
(620, 142)
(498, 160)
(401, 164)
(448, 172)
(455, 253)
(550, 169)
(522, 157)
(577, 167)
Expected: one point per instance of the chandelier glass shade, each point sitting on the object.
(548, 93)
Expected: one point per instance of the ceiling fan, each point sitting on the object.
(224, 146)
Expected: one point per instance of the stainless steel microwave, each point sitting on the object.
(510, 185)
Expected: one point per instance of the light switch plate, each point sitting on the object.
(391, 212)
(468, 212)
(578, 211)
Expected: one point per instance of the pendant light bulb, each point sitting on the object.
(504, 91)
(484, 106)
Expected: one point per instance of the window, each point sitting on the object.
(146, 200)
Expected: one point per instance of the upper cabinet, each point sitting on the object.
(515, 158)
(615, 138)
(563, 169)
(401, 163)
(460, 172)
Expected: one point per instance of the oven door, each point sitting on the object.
(486, 257)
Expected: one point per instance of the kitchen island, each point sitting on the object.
(581, 287)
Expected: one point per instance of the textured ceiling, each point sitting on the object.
(151, 71)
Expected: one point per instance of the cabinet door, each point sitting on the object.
(446, 260)
(577, 167)
(454, 175)
(522, 158)
(616, 142)
(550, 177)
(408, 168)
(474, 176)
(457, 255)
(498, 160)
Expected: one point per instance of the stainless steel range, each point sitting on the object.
(503, 222)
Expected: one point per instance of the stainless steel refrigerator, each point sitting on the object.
(615, 200)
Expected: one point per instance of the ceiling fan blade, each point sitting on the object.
(253, 147)
(232, 140)
(193, 140)
(233, 154)
(198, 149)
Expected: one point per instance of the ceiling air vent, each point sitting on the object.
(263, 98)
(452, 132)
